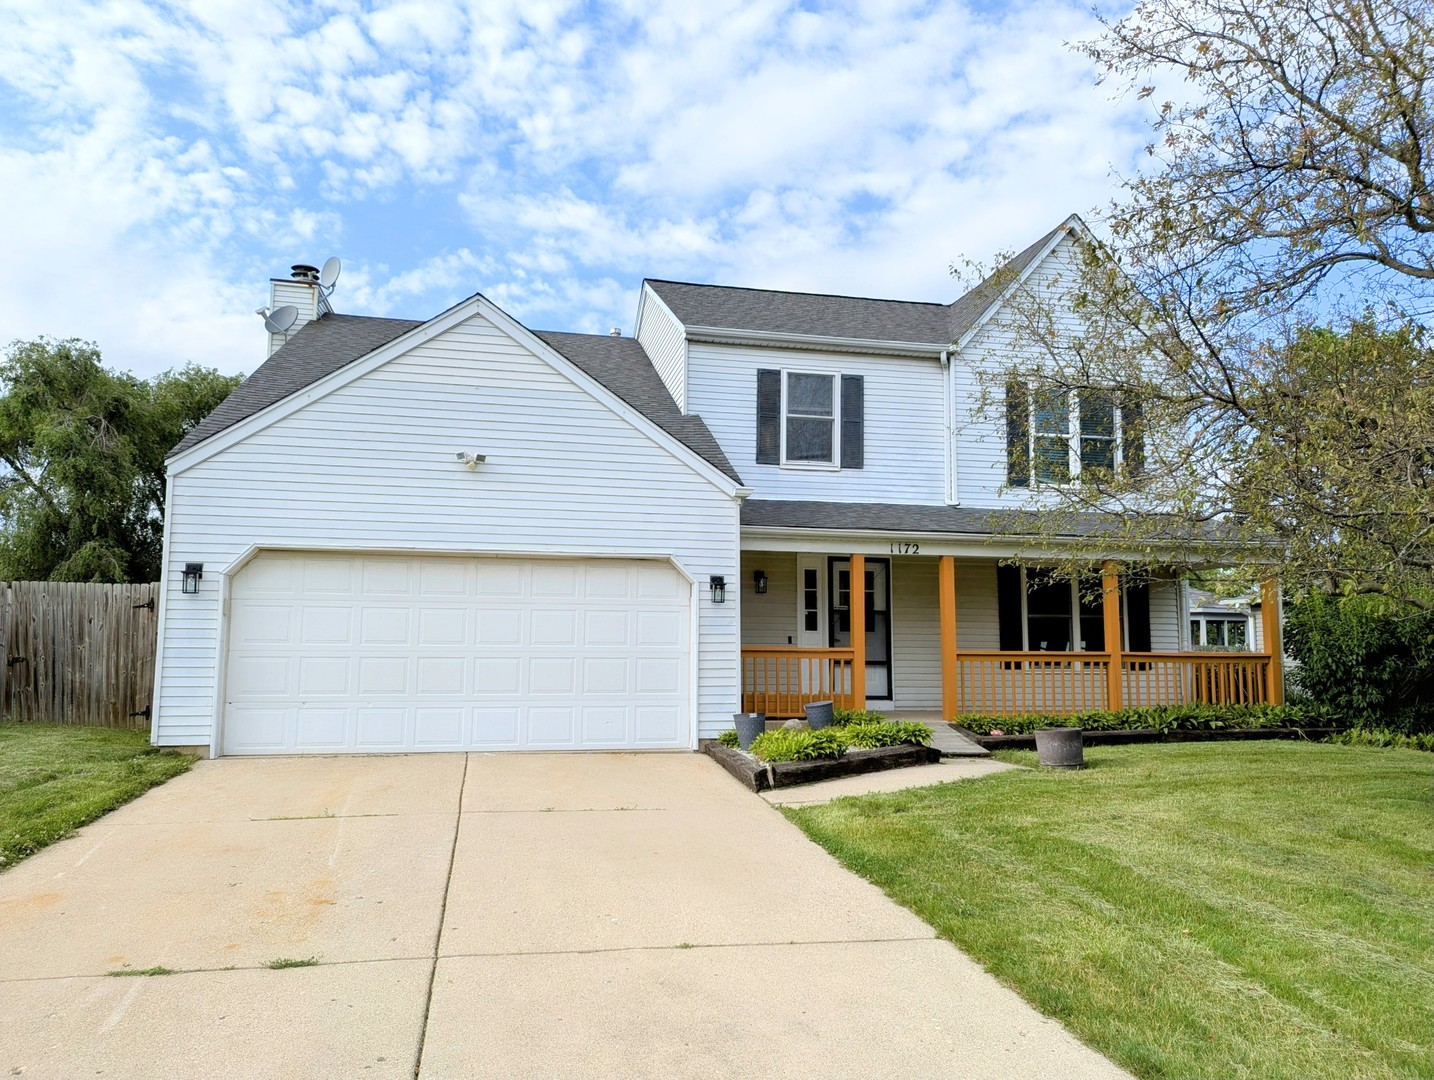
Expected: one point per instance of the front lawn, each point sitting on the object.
(55, 778)
(1195, 910)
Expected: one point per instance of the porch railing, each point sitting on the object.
(1001, 683)
(780, 680)
(1174, 678)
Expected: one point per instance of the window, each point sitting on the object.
(1055, 435)
(811, 603)
(809, 419)
(1040, 611)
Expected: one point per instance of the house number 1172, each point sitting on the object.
(905, 549)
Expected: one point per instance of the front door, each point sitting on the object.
(878, 619)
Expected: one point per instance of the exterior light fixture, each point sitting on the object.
(719, 588)
(472, 461)
(759, 579)
(193, 571)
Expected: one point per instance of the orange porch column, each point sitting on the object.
(946, 589)
(1270, 624)
(856, 604)
(1110, 611)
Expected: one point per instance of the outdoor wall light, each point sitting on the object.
(193, 571)
(472, 461)
(719, 588)
(759, 579)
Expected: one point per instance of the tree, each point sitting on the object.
(1256, 305)
(82, 449)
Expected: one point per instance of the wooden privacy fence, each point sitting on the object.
(77, 654)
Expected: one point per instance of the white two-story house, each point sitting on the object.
(463, 534)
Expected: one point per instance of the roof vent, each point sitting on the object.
(614, 332)
(305, 272)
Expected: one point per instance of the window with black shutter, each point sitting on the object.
(811, 418)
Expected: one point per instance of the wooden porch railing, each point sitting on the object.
(1001, 683)
(780, 680)
(1176, 678)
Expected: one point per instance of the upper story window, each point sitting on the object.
(1054, 435)
(809, 429)
(810, 419)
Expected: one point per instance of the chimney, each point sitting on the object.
(301, 289)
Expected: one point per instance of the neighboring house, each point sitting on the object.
(464, 534)
(1217, 623)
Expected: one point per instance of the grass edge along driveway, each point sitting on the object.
(1195, 910)
(56, 777)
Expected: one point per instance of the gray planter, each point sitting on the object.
(1061, 748)
(819, 714)
(749, 726)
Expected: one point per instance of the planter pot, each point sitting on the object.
(1061, 748)
(819, 715)
(749, 726)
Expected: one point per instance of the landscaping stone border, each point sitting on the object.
(1149, 735)
(756, 776)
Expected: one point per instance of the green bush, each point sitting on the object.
(1383, 737)
(870, 736)
(843, 717)
(796, 744)
(1157, 718)
(1370, 663)
(729, 738)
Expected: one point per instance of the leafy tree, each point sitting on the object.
(1256, 307)
(82, 450)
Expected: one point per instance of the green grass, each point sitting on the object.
(120, 973)
(285, 962)
(55, 778)
(1195, 910)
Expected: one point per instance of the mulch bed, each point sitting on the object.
(757, 776)
(1147, 735)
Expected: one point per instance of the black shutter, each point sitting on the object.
(1008, 607)
(1137, 614)
(1018, 435)
(1132, 437)
(853, 450)
(769, 417)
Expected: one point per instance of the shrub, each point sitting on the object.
(870, 736)
(1157, 718)
(788, 744)
(1371, 664)
(1383, 737)
(729, 738)
(843, 717)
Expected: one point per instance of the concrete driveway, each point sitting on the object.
(483, 915)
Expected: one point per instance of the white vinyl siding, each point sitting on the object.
(371, 466)
(665, 342)
(771, 618)
(904, 422)
(977, 372)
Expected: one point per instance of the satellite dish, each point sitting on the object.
(329, 275)
(279, 320)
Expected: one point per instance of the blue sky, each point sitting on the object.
(159, 162)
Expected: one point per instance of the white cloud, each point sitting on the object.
(161, 162)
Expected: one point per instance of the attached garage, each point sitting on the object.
(347, 652)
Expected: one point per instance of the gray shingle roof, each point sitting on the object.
(623, 366)
(333, 341)
(901, 518)
(818, 314)
(318, 349)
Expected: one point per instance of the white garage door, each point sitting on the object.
(342, 653)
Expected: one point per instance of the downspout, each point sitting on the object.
(948, 398)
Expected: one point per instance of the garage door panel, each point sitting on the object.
(321, 729)
(552, 725)
(382, 653)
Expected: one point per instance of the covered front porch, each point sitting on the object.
(961, 633)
